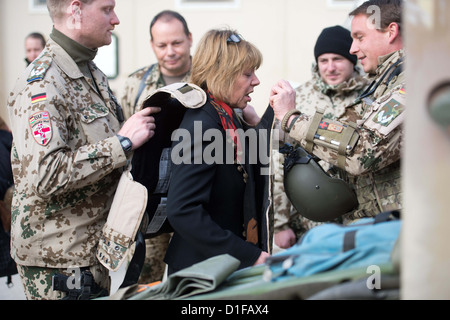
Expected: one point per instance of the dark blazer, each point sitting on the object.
(206, 202)
(6, 176)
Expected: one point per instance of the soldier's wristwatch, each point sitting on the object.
(125, 143)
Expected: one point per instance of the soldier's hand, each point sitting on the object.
(282, 99)
(140, 127)
(250, 115)
(285, 239)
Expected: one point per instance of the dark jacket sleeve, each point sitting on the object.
(6, 177)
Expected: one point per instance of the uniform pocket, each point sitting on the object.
(93, 112)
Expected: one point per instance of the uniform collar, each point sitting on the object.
(356, 82)
(156, 77)
(78, 52)
(64, 60)
(384, 62)
(71, 56)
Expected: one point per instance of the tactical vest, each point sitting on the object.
(383, 104)
(138, 208)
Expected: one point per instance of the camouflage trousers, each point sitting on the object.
(154, 265)
(37, 281)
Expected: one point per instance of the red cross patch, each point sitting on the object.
(41, 127)
(323, 125)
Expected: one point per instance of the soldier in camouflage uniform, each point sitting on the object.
(171, 42)
(336, 83)
(68, 152)
(372, 163)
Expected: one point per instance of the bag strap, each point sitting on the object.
(349, 242)
(317, 118)
(387, 216)
(136, 264)
(396, 69)
(345, 141)
(142, 86)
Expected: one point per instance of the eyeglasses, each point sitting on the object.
(235, 38)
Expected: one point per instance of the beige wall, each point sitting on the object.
(425, 238)
(284, 30)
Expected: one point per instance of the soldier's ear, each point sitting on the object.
(394, 32)
(74, 9)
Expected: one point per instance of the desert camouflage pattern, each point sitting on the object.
(67, 173)
(153, 82)
(112, 248)
(373, 166)
(154, 266)
(37, 281)
(336, 101)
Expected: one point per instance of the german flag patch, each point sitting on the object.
(39, 98)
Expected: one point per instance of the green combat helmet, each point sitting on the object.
(313, 193)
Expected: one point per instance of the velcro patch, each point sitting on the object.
(331, 127)
(41, 127)
(38, 71)
(323, 125)
(388, 113)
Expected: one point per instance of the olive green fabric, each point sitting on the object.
(249, 284)
(200, 278)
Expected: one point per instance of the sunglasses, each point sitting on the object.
(234, 38)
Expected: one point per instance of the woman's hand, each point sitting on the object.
(262, 258)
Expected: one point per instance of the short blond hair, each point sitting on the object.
(218, 62)
(57, 8)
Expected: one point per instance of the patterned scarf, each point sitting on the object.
(250, 217)
(226, 117)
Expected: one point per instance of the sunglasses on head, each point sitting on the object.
(234, 38)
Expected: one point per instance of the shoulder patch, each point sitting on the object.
(331, 127)
(41, 127)
(39, 69)
(388, 113)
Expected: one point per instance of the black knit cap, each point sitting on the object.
(335, 40)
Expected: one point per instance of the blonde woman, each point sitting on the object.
(216, 201)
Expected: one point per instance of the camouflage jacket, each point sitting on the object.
(153, 82)
(373, 164)
(66, 161)
(313, 95)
